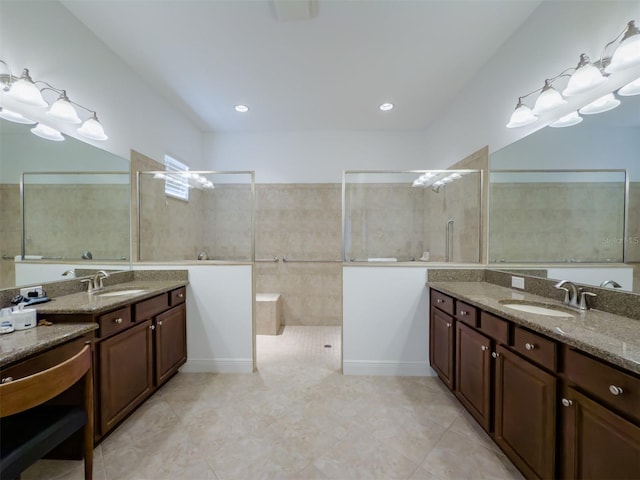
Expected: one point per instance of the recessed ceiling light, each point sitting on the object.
(241, 108)
(385, 107)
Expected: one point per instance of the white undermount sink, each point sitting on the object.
(117, 293)
(537, 308)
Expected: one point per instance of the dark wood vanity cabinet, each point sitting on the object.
(170, 343)
(126, 373)
(555, 411)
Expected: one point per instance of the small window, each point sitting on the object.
(176, 185)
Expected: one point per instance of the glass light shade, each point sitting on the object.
(626, 55)
(603, 104)
(630, 89)
(92, 129)
(15, 117)
(62, 109)
(567, 121)
(48, 133)
(418, 182)
(548, 101)
(25, 91)
(584, 79)
(521, 116)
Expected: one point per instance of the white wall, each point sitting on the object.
(219, 317)
(44, 37)
(550, 41)
(385, 321)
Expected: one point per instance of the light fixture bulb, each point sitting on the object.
(385, 107)
(586, 77)
(603, 104)
(628, 52)
(15, 117)
(25, 91)
(630, 89)
(48, 133)
(62, 109)
(567, 121)
(548, 100)
(92, 129)
(521, 116)
(241, 108)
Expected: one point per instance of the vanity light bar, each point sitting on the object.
(24, 90)
(584, 78)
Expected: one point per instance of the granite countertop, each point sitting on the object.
(95, 303)
(24, 343)
(610, 337)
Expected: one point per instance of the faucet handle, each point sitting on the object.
(566, 299)
(583, 305)
(90, 285)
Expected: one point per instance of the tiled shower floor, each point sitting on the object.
(298, 417)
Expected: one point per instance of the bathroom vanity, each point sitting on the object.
(559, 394)
(139, 344)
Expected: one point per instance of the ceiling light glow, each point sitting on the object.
(385, 107)
(241, 108)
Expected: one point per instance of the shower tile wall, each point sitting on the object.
(556, 221)
(301, 222)
(10, 227)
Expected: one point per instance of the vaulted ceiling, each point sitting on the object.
(329, 70)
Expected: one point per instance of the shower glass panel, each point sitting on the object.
(557, 216)
(78, 216)
(407, 216)
(204, 215)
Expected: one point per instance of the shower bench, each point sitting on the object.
(268, 313)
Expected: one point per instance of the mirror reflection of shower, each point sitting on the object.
(448, 237)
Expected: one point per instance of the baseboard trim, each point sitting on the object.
(402, 369)
(218, 365)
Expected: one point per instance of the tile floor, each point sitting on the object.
(298, 417)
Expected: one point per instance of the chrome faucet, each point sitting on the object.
(98, 279)
(573, 296)
(613, 283)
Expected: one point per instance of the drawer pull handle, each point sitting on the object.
(615, 390)
(566, 402)
(448, 325)
(530, 346)
(439, 300)
(118, 320)
(463, 313)
(484, 348)
(495, 354)
(181, 295)
(7, 379)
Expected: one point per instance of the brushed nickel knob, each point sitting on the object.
(160, 322)
(530, 346)
(448, 325)
(439, 300)
(181, 295)
(463, 313)
(495, 354)
(7, 379)
(484, 348)
(615, 390)
(152, 327)
(118, 320)
(566, 402)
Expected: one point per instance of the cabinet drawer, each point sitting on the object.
(467, 314)
(114, 321)
(177, 296)
(148, 308)
(536, 348)
(494, 327)
(608, 384)
(442, 302)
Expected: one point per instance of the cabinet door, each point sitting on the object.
(126, 373)
(473, 373)
(597, 443)
(171, 342)
(525, 410)
(441, 345)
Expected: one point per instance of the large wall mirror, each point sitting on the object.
(76, 201)
(590, 220)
